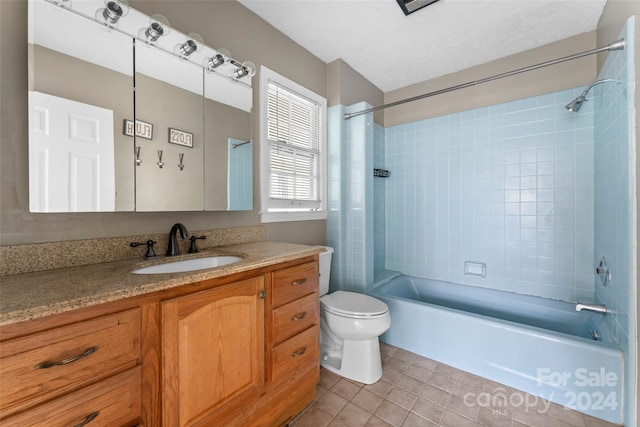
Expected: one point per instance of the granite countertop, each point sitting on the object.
(34, 295)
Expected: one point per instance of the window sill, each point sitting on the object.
(267, 217)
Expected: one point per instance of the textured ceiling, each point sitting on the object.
(392, 50)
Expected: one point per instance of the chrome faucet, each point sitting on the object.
(173, 248)
(592, 307)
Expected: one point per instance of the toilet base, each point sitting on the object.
(358, 361)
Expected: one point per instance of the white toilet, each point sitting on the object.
(350, 324)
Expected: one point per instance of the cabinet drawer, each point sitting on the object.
(295, 355)
(112, 402)
(42, 366)
(294, 317)
(294, 282)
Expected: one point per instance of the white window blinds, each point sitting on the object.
(293, 134)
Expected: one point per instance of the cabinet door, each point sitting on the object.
(213, 353)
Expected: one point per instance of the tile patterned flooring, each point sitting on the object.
(416, 391)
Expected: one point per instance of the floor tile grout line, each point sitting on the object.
(400, 365)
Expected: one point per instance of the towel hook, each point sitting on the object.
(160, 163)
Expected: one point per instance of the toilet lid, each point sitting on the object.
(353, 304)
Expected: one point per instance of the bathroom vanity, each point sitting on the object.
(235, 345)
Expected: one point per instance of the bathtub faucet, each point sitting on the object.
(592, 307)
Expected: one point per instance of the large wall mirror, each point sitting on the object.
(128, 114)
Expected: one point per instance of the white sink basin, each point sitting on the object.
(188, 265)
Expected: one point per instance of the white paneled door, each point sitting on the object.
(71, 156)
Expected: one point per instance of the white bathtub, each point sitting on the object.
(540, 346)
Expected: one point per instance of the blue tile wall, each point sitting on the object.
(336, 193)
(615, 201)
(350, 224)
(240, 176)
(510, 185)
(378, 201)
(359, 200)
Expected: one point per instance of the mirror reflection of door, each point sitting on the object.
(71, 156)
(81, 65)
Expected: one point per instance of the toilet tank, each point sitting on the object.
(325, 269)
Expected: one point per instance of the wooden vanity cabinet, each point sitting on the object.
(295, 321)
(243, 354)
(66, 375)
(240, 350)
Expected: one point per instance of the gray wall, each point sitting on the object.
(347, 87)
(247, 36)
(545, 80)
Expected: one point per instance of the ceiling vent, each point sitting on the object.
(410, 6)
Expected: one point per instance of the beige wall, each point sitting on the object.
(164, 105)
(222, 24)
(615, 14)
(545, 80)
(346, 86)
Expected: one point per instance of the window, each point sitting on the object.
(293, 141)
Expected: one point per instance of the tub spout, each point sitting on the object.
(592, 307)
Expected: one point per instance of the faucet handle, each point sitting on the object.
(193, 249)
(150, 252)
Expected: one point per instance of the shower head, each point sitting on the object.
(575, 105)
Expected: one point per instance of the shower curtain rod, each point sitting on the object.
(617, 45)
(239, 144)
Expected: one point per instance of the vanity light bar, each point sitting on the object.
(152, 30)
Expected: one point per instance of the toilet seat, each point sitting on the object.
(353, 304)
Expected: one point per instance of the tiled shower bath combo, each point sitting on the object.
(524, 197)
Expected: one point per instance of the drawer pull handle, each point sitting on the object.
(299, 316)
(299, 282)
(300, 352)
(45, 365)
(92, 416)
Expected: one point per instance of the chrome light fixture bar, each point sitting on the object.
(157, 28)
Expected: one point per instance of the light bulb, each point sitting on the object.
(158, 27)
(194, 43)
(112, 12)
(216, 60)
(247, 68)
